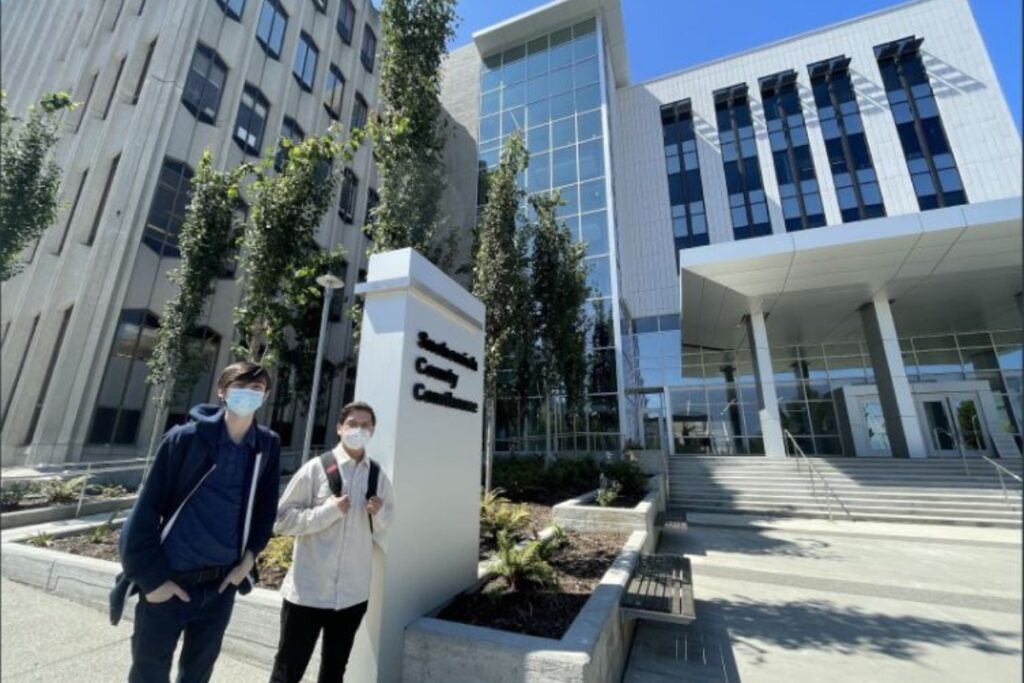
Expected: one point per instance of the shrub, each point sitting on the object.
(520, 477)
(277, 554)
(11, 496)
(523, 567)
(108, 490)
(553, 543)
(103, 532)
(498, 515)
(628, 474)
(608, 491)
(41, 540)
(62, 491)
(570, 476)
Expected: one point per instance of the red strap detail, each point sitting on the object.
(333, 468)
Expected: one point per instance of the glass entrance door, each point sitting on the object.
(953, 424)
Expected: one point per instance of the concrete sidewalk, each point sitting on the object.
(806, 601)
(47, 639)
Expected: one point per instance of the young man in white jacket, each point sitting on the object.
(334, 523)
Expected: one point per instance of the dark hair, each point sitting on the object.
(354, 406)
(244, 372)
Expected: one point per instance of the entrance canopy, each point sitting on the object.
(948, 270)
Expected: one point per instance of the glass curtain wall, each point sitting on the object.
(549, 91)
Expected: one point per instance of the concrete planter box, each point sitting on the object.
(584, 515)
(253, 631)
(593, 650)
(53, 513)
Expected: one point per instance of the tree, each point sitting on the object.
(29, 177)
(286, 212)
(559, 292)
(409, 133)
(207, 239)
(500, 281)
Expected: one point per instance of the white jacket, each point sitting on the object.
(333, 550)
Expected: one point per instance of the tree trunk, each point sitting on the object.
(163, 404)
(489, 443)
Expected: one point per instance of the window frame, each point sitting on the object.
(368, 57)
(279, 14)
(307, 44)
(359, 105)
(226, 7)
(347, 9)
(163, 239)
(292, 126)
(349, 190)
(680, 112)
(732, 100)
(259, 99)
(213, 61)
(333, 72)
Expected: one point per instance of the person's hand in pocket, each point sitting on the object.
(166, 591)
(239, 573)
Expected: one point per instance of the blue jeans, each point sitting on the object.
(203, 620)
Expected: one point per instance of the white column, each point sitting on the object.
(764, 375)
(421, 368)
(901, 422)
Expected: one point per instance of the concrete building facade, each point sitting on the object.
(160, 82)
(814, 244)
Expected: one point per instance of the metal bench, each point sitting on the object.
(661, 589)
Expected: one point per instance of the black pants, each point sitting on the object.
(300, 629)
(158, 627)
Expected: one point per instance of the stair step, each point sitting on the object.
(791, 504)
(797, 509)
(870, 517)
(978, 494)
(865, 498)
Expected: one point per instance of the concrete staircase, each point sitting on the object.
(880, 490)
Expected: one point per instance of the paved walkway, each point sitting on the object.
(844, 603)
(47, 639)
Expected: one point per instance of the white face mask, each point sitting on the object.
(356, 438)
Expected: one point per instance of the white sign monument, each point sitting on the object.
(421, 368)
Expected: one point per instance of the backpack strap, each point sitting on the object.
(371, 486)
(330, 465)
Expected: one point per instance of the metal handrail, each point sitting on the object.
(1002, 483)
(814, 471)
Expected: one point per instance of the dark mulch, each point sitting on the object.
(82, 545)
(270, 577)
(548, 613)
(625, 500)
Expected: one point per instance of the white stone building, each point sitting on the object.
(819, 237)
(159, 82)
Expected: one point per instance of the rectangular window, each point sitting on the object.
(848, 155)
(933, 169)
(321, 5)
(291, 131)
(85, 101)
(369, 51)
(113, 88)
(372, 201)
(142, 75)
(334, 88)
(346, 21)
(21, 368)
(123, 391)
(686, 193)
(204, 84)
(359, 112)
(54, 355)
(103, 201)
(271, 28)
(304, 67)
(74, 208)
(167, 210)
(747, 203)
(347, 200)
(252, 120)
(791, 152)
(232, 8)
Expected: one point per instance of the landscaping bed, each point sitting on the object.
(101, 543)
(547, 612)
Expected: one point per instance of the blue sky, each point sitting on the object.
(667, 35)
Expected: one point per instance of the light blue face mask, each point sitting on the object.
(244, 402)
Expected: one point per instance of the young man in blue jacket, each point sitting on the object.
(205, 512)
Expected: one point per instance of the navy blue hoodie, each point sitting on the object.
(185, 457)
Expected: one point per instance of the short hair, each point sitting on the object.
(354, 406)
(245, 372)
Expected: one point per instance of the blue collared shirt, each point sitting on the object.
(208, 530)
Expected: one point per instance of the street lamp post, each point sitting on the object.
(329, 283)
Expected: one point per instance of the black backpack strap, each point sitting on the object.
(371, 486)
(330, 465)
